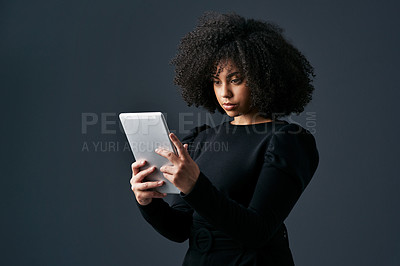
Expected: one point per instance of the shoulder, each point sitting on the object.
(293, 149)
(292, 128)
(193, 133)
(291, 136)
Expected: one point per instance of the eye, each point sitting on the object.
(216, 82)
(236, 81)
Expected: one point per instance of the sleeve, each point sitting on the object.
(189, 139)
(173, 222)
(289, 164)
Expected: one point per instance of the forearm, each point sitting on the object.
(252, 226)
(172, 223)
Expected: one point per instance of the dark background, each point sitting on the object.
(64, 60)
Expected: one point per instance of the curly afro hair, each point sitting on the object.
(278, 75)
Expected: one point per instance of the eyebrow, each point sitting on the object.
(229, 75)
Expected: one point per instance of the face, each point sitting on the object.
(231, 91)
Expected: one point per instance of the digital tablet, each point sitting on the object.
(146, 132)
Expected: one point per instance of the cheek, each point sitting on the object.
(249, 99)
(246, 96)
(216, 96)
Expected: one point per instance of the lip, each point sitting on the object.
(229, 106)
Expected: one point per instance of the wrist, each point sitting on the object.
(192, 183)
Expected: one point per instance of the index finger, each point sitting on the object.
(136, 165)
(178, 145)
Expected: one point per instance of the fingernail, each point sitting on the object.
(143, 161)
(160, 182)
(164, 194)
(156, 150)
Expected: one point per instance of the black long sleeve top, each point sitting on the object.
(250, 178)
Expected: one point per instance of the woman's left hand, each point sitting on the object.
(184, 171)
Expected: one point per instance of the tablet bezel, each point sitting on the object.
(157, 134)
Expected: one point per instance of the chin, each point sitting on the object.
(232, 113)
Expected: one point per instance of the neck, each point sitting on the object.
(249, 119)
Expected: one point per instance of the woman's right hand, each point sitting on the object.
(139, 188)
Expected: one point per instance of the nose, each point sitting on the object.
(226, 91)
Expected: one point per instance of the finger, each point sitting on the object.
(187, 149)
(172, 157)
(145, 195)
(149, 185)
(178, 144)
(142, 174)
(152, 194)
(167, 169)
(135, 166)
(169, 177)
(143, 201)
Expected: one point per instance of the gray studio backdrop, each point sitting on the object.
(69, 67)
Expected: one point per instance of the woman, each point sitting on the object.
(233, 201)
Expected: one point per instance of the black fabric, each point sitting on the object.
(251, 177)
